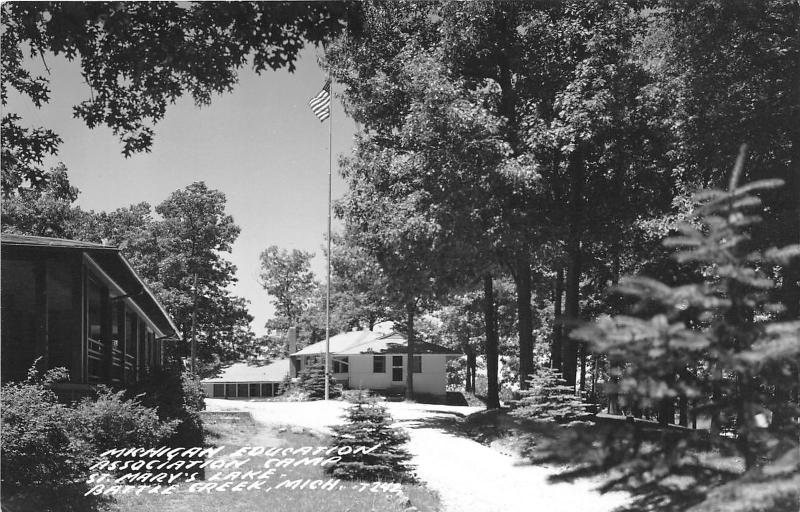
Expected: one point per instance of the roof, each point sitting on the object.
(368, 342)
(112, 262)
(253, 372)
(43, 241)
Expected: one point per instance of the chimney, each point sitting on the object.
(291, 340)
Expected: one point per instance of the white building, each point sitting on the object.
(247, 379)
(378, 361)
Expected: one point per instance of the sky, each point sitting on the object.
(260, 145)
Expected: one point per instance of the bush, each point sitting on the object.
(175, 395)
(111, 421)
(36, 444)
(312, 381)
(368, 424)
(49, 446)
(550, 399)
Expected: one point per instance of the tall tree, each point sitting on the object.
(287, 277)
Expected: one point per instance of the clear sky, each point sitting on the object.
(261, 145)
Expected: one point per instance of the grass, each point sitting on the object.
(236, 430)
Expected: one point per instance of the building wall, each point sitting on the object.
(432, 379)
(242, 389)
(45, 313)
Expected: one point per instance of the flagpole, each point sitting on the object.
(328, 290)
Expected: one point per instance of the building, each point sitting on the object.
(379, 362)
(80, 306)
(247, 380)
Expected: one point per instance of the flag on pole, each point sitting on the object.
(321, 103)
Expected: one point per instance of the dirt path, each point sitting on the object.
(467, 475)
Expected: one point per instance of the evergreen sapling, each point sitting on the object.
(369, 424)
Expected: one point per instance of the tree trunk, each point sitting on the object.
(571, 311)
(558, 328)
(582, 347)
(490, 319)
(525, 317)
(572, 297)
(467, 380)
(683, 411)
(410, 352)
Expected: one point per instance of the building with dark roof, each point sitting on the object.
(81, 306)
(376, 361)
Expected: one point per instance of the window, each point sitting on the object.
(230, 390)
(378, 364)
(219, 390)
(266, 390)
(242, 390)
(416, 364)
(255, 390)
(397, 368)
(341, 365)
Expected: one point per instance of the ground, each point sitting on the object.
(466, 474)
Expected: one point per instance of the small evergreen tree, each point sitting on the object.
(312, 381)
(719, 343)
(549, 399)
(368, 424)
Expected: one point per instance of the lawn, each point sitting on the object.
(237, 430)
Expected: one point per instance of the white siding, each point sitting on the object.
(433, 378)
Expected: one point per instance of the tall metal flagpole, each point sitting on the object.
(328, 291)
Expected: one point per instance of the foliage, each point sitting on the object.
(717, 342)
(194, 49)
(549, 399)
(367, 424)
(38, 445)
(178, 398)
(47, 444)
(44, 211)
(287, 277)
(110, 421)
(312, 381)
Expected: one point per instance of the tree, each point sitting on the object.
(194, 48)
(312, 381)
(378, 453)
(358, 287)
(727, 325)
(181, 257)
(44, 211)
(288, 278)
(746, 91)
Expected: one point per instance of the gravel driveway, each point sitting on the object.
(467, 475)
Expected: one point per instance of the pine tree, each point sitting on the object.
(718, 343)
(367, 425)
(550, 399)
(312, 380)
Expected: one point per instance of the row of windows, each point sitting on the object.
(245, 390)
(342, 365)
(379, 364)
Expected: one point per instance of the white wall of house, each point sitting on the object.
(432, 379)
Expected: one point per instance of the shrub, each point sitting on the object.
(175, 395)
(36, 445)
(111, 421)
(312, 381)
(368, 424)
(550, 399)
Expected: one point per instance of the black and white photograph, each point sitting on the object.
(400, 256)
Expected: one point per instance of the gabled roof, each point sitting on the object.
(43, 241)
(368, 342)
(112, 262)
(275, 371)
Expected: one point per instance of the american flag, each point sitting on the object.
(321, 103)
